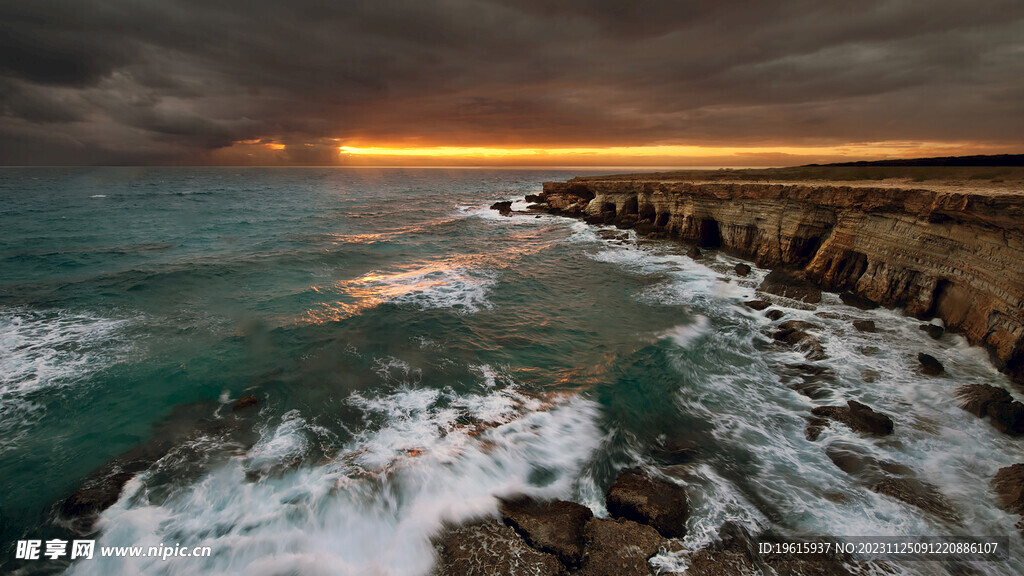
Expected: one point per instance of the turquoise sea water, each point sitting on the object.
(416, 355)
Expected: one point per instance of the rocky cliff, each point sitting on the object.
(952, 254)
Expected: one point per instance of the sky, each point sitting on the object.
(523, 82)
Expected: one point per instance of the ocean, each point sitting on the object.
(414, 355)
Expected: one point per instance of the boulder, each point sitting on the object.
(552, 527)
(533, 198)
(1008, 484)
(859, 417)
(618, 547)
(864, 325)
(1007, 417)
(920, 495)
(930, 366)
(757, 304)
(489, 549)
(774, 314)
(742, 269)
(657, 503)
(791, 283)
(695, 253)
(976, 398)
(934, 330)
(504, 208)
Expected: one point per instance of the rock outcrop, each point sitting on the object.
(657, 503)
(858, 417)
(950, 255)
(552, 527)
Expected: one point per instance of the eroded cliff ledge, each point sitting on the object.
(957, 255)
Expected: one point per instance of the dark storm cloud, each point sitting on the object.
(172, 80)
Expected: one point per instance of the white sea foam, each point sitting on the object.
(40, 350)
(433, 457)
(756, 415)
(687, 334)
(460, 285)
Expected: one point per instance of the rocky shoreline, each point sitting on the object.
(954, 256)
(946, 255)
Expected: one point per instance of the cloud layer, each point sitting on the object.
(167, 81)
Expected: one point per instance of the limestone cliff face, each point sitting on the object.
(957, 256)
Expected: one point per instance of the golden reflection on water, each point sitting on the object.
(466, 273)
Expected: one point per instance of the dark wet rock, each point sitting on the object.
(552, 527)
(857, 416)
(757, 304)
(504, 208)
(1007, 417)
(618, 547)
(815, 426)
(1008, 485)
(742, 269)
(245, 402)
(774, 314)
(533, 198)
(808, 379)
(851, 299)
(934, 330)
(490, 549)
(864, 325)
(920, 495)
(657, 503)
(930, 366)
(613, 235)
(792, 332)
(791, 283)
(856, 462)
(736, 554)
(676, 452)
(102, 488)
(976, 398)
(695, 253)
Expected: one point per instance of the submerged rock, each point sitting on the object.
(657, 503)
(859, 417)
(618, 547)
(489, 549)
(245, 402)
(552, 527)
(791, 283)
(930, 366)
(792, 332)
(918, 494)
